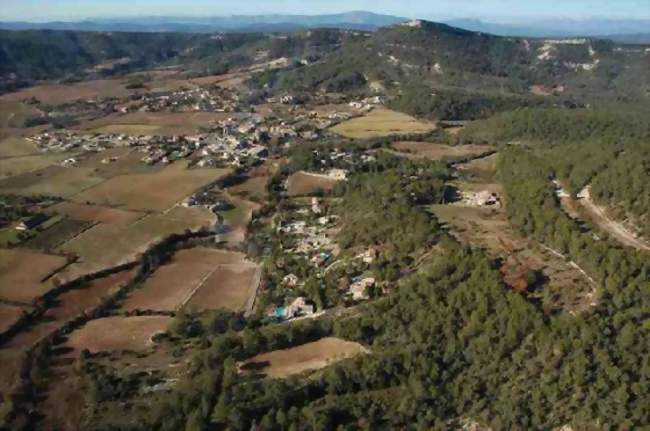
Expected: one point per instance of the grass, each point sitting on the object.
(159, 123)
(54, 181)
(21, 165)
(381, 122)
(17, 146)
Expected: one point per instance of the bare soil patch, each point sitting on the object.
(308, 357)
(118, 333)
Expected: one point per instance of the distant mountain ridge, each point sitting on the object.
(357, 20)
(625, 31)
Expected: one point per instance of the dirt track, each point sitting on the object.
(612, 227)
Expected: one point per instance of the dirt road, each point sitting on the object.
(614, 228)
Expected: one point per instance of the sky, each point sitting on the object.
(503, 10)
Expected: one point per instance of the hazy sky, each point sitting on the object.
(41, 10)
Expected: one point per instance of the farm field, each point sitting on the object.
(129, 161)
(9, 314)
(237, 219)
(433, 151)
(381, 122)
(156, 123)
(94, 213)
(17, 146)
(53, 180)
(54, 236)
(228, 286)
(200, 277)
(305, 183)
(62, 93)
(150, 192)
(22, 272)
(20, 165)
(118, 333)
(122, 243)
(77, 301)
(308, 357)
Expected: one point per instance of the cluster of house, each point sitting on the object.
(312, 234)
(65, 140)
(214, 99)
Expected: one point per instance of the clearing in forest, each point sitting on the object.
(306, 183)
(433, 151)
(308, 357)
(118, 333)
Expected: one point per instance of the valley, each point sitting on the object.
(419, 227)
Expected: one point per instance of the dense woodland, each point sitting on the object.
(608, 149)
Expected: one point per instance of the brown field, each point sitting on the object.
(9, 314)
(94, 213)
(305, 183)
(75, 302)
(54, 236)
(252, 187)
(174, 283)
(20, 165)
(118, 333)
(156, 123)
(121, 243)
(382, 122)
(21, 273)
(432, 151)
(151, 192)
(54, 180)
(308, 357)
(62, 93)
(202, 278)
(228, 286)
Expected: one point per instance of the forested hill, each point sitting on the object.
(441, 56)
(27, 56)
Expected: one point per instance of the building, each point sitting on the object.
(32, 222)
